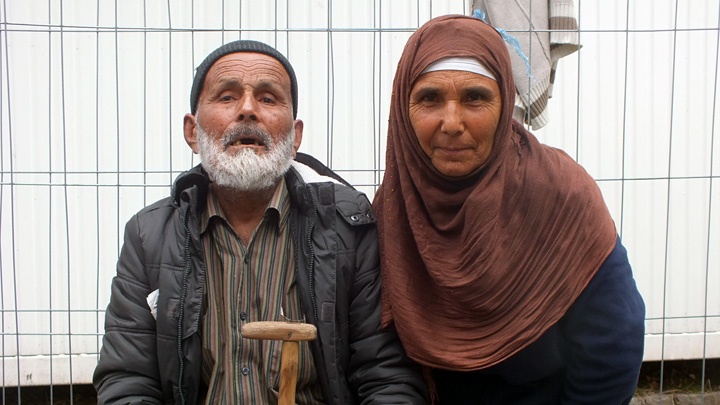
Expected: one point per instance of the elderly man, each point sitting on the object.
(259, 232)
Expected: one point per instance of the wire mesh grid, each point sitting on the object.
(92, 96)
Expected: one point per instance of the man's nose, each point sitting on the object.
(248, 108)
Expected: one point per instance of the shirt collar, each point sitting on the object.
(279, 203)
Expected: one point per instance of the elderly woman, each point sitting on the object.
(502, 268)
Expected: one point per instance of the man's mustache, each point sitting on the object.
(247, 134)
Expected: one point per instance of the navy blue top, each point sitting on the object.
(591, 356)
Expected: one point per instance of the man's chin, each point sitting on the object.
(244, 182)
(244, 188)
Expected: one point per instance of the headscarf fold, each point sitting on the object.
(475, 269)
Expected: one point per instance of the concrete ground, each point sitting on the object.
(708, 398)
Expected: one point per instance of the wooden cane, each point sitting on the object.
(291, 333)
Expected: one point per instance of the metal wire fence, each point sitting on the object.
(92, 96)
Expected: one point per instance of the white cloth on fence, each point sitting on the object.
(547, 31)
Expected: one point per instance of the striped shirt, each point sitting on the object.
(247, 284)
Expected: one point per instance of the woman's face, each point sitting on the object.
(455, 115)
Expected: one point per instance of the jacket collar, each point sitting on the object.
(305, 169)
(195, 177)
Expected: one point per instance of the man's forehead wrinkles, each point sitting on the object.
(257, 83)
(254, 68)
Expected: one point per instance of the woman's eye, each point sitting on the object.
(430, 97)
(475, 96)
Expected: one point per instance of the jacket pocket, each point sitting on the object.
(168, 301)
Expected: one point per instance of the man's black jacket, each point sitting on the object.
(338, 279)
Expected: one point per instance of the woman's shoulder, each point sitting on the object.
(612, 286)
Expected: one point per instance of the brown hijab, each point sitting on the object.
(477, 268)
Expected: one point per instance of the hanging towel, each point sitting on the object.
(547, 31)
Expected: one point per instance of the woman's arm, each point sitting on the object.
(605, 332)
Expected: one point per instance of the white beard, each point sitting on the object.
(245, 170)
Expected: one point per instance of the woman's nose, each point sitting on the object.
(452, 120)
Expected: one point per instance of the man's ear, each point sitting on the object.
(298, 125)
(190, 130)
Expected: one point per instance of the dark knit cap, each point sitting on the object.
(240, 46)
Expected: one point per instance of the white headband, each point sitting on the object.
(460, 63)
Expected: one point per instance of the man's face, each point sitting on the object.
(244, 121)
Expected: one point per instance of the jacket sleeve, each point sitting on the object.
(127, 372)
(379, 369)
(605, 331)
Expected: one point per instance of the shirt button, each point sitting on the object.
(245, 371)
(247, 259)
(243, 316)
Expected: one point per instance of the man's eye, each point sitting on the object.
(267, 100)
(226, 98)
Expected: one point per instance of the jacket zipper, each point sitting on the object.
(181, 309)
(311, 271)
